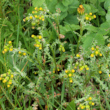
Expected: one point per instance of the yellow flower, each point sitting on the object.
(30, 17)
(80, 9)
(100, 72)
(33, 27)
(92, 55)
(40, 48)
(12, 76)
(35, 73)
(35, 16)
(9, 42)
(92, 48)
(43, 19)
(96, 52)
(37, 45)
(58, 69)
(35, 8)
(8, 85)
(0, 78)
(53, 71)
(32, 36)
(66, 71)
(71, 81)
(109, 75)
(94, 16)
(100, 54)
(108, 45)
(11, 49)
(90, 98)
(40, 37)
(63, 50)
(4, 81)
(81, 68)
(82, 107)
(77, 55)
(5, 50)
(24, 20)
(9, 82)
(40, 18)
(92, 103)
(40, 8)
(19, 52)
(33, 12)
(87, 68)
(70, 75)
(80, 6)
(72, 70)
(90, 13)
(87, 18)
(24, 54)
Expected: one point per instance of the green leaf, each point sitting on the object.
(108, 14)
(104, 28)
(88, 41)
(71, 106)
(62, 7)
(107, 4)
(73, 7)
(100, 39)
(87, 8)
(101, 11)
(71, 19)
(63, 15)
(89, 38)
(67, 2)
(90, 28)
(67, 27)
(37, 3)
(93, 8)
(51, 4)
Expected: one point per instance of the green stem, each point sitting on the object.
(7, 97)
(1, 14)
(81, 33)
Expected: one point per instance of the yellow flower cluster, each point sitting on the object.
(95, 51)
(89, 16)
(88, 104)
(6, 78)
(70, 74)
(81, 66)
(22, 53)
(36, 16)
(8, 47)
(61, 48)
(37, 40)
(80, 9)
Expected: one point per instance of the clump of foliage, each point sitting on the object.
(58, 58)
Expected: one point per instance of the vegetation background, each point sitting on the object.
(54, 54)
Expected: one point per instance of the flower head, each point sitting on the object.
(80, 9)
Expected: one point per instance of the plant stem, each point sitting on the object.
(81, 33)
